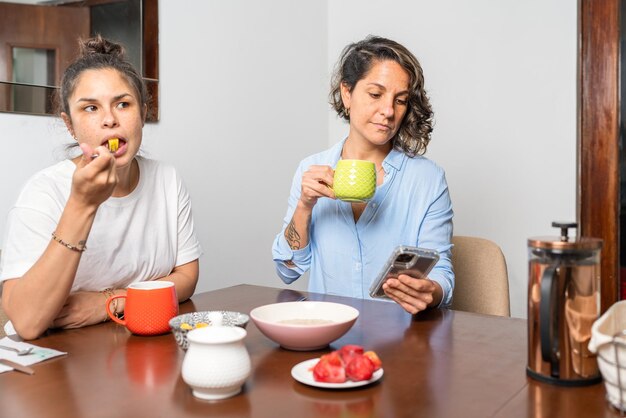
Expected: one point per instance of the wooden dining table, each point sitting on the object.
(439, 363)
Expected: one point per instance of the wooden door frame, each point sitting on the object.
(598, 148)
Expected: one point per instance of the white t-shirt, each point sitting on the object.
(138, 237)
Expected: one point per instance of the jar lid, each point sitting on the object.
(564, 243)
(555, 243)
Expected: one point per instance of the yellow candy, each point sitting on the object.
(114, 144)
(201, 325)
(186, 326)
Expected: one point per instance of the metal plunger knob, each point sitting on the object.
(564, 228)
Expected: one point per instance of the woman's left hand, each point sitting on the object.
(414, 295)
(81, 309)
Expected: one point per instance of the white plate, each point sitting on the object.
(303, 373)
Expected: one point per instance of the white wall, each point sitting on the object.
(244, 97)
(243, 100)
(502, 80)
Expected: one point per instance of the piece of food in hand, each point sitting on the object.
(114, 144)
(374, 358)
(329, 369)
(359, 368)
(348, 351)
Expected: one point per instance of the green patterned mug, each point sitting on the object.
(355, 180)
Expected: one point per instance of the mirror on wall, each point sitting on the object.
(39, 39)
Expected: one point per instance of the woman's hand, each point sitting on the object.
(316, 182)
(414, 295)
(81, 309)
(95, 179)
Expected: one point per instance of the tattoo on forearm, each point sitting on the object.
(292, 236)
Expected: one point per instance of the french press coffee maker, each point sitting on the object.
(563, 303)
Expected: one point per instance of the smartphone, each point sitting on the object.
(413, 261)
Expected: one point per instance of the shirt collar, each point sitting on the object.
(394, 159)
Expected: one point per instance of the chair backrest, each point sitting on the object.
(3, 320)
(482, 283)
(3, 317)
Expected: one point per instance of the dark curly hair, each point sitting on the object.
(98, 53)
(356, 61)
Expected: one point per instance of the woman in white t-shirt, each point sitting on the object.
(133, 213)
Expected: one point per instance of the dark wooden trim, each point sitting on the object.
(598, 142)
(83, 3)
(151, 39)
(151, 55)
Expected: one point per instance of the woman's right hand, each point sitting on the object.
(94, 179)
(317, 182)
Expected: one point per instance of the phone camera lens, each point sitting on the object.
(404, 258)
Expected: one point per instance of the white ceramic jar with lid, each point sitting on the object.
(217, 362)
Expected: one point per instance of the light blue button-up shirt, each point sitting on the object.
(412, 207)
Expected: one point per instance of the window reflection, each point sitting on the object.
(42, 39)
(32, 67)
(26, 98)
(119, 22)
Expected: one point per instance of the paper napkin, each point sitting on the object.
(38, 354)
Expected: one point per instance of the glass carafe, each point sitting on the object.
(563, 303)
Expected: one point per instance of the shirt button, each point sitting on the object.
(357, 267)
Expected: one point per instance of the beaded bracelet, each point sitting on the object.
(79, 248)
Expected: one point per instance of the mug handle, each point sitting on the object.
(108, 308)
(548, 319)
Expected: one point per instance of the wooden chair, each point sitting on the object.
(482, 284)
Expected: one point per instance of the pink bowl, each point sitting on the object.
(306, 325)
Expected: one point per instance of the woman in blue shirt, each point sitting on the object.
(378, 87)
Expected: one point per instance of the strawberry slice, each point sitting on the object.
(375, 359)
(329, 369)
(348, 351)
(360, 368)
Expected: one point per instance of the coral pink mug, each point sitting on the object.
(149, 307)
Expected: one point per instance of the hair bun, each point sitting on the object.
(99, 45)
